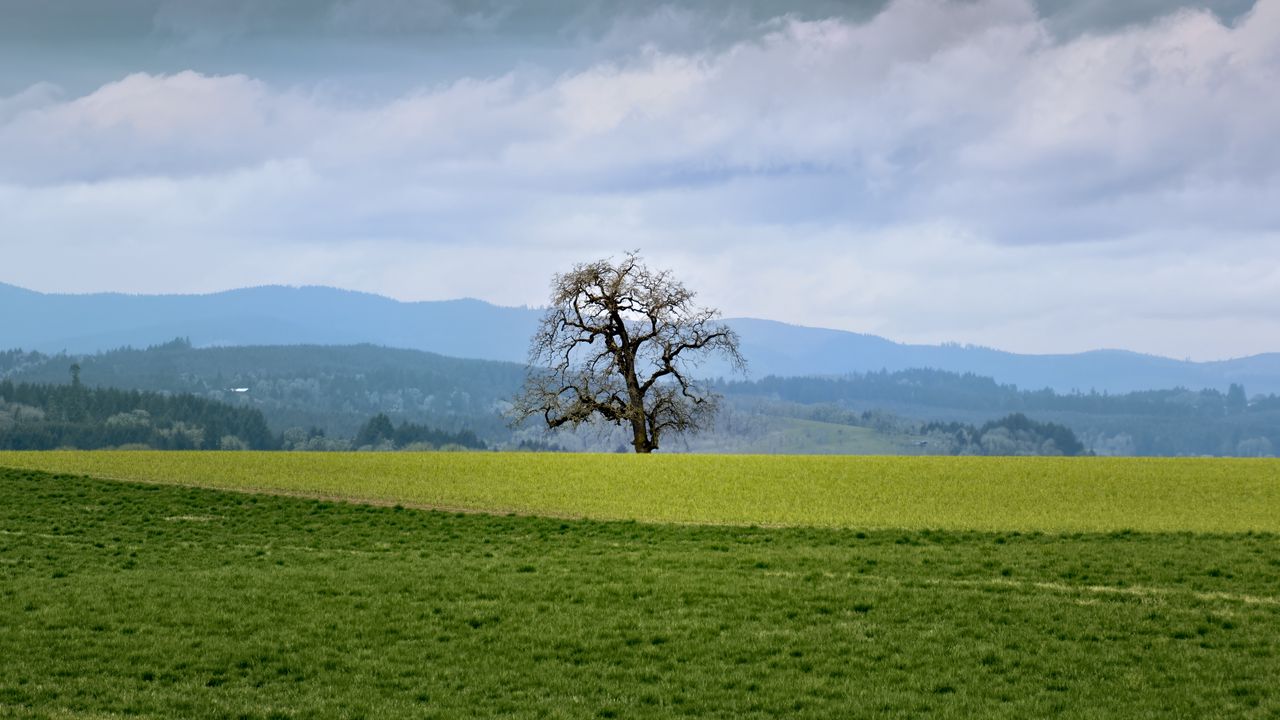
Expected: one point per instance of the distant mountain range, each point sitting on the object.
(475, 329)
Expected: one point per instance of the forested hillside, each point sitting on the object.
(321, 397)
(44, 417)
(1157, 422)
(333, 388)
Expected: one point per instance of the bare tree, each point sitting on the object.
(618, 343)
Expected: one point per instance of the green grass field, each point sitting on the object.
(993, 494)
(154, 601)
(938, 587)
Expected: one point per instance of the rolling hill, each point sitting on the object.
(468, 328)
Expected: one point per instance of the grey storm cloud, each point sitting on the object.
(936, 169)
(971, 112)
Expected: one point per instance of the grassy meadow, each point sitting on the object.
(952, 493)
(146, 596)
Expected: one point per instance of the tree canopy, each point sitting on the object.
(619, 343)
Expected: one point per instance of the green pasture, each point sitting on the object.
(130, 600)
(797, 436)
(991, 494)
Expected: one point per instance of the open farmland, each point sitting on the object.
(991, 494)
(146, 600)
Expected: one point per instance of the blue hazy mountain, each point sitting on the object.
(782, 349)
(261, 316)
(475, 329)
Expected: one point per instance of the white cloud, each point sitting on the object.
(942, 171)
(39, 95)
(145, 125)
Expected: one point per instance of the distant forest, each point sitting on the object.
(333, 389)
(46, 417)
(324, 397)
(1155, 422)
(946, 389)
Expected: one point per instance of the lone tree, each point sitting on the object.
(618, 343)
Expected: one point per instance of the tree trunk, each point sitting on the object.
(639, 429)
(640, 436)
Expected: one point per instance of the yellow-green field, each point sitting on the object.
(1027, 494)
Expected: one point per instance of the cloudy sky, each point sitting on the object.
(1048, 176)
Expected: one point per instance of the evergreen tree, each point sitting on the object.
(375, 432)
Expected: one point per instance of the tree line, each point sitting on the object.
(940, 388)
(41, 416)
(45, 417)
(335, 389)
(1014, 434)
(1173, 422)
